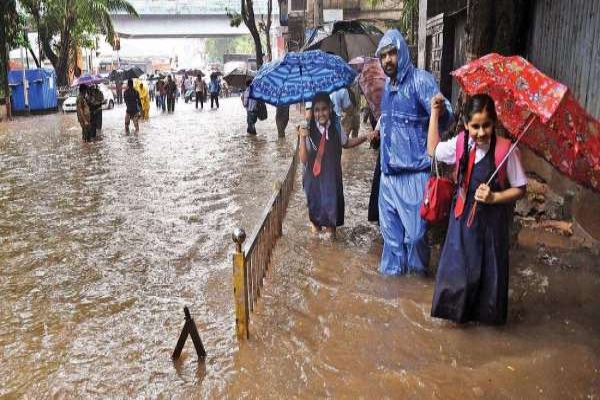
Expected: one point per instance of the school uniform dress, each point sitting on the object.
(472, 277)
(325, 192)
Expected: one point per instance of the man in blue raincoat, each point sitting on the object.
(405, 164)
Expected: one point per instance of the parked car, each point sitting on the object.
(70, 103)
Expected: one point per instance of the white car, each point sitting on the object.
(70, 103)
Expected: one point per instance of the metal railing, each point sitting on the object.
(251, 261)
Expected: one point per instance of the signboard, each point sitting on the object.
(333, 14)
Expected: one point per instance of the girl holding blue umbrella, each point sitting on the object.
(320, 151)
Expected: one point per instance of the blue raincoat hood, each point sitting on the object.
(394, 38)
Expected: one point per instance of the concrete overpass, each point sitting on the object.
(186, 19)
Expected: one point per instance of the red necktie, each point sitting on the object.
(464, 187)
(320, 152)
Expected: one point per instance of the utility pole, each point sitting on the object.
(317, 13)
(25, 82)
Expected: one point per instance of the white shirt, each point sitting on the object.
(446, 153)
(325, 129)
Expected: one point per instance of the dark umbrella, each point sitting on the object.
(115, 75)
(155, 77)
(192, 72)
(132, 73)
(238, 77)
(348, 39)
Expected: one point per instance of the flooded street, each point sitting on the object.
(102, 244)
(329, 326)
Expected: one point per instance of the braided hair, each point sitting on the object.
(476, 104)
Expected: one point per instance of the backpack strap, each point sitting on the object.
(502, 147)
(460, 142)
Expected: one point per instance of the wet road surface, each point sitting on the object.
(101, 246)
(329, 326)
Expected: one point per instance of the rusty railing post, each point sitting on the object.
(240, 288)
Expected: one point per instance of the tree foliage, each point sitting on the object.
(65, 25)
(408, 21)
(248, 17)
(215, 48)
(12, 35)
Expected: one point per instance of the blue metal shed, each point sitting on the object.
(42, 93)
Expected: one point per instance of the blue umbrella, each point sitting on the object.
(87, 79)
(297, 77)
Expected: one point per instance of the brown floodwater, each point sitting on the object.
(101, 246)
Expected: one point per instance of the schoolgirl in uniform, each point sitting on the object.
(472, 277)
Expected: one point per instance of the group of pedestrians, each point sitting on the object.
(165, 94)
(472, 276)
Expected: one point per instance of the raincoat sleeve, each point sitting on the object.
(426, 88)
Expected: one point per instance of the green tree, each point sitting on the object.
(215, 48)
(12, 28)
(65, 25)
(248, 17)
(409, 18)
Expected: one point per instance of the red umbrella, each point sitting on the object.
(558, 128)
(371, 81)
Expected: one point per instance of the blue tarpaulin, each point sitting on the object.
(42, 93)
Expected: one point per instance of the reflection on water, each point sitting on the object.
(329, 326)
(102, 245)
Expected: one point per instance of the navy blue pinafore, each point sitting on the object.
(324, 193)
(472, 276)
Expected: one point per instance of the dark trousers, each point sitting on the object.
(119, 97)
(251, 118)
(200, 98)
(95, 122)
(170, 103)
(282, 116)
(214, 97)
(86, 133)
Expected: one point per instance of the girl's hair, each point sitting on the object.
(322, 97)
(474, 105)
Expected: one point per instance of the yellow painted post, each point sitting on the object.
(240, 289)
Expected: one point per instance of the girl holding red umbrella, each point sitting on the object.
(472, 277)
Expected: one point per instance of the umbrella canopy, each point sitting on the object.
(348, 39)
(238, 77)
(87, 79)
(133, 72)
(157, 76)
(297, 77)
(371, 81)
(115, 75)
(558, 127)
(190, 71)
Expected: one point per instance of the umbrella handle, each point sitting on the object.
(472, 213)
(530, 120)
(473, 210)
